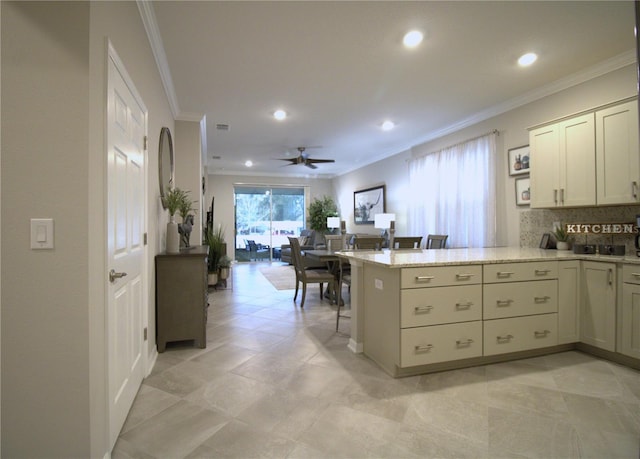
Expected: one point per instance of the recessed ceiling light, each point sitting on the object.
(388, 125)
(527, 59)
(248, 163)
(413, 39)
(279, 115)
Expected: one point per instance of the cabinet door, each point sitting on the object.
(598, 315)
(630, 331)
(545, 173)
(618, 161)
(577, 162)
(568, 301)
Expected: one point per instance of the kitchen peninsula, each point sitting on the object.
(418, 311)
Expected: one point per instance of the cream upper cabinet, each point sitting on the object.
(617, 155)
(563, 163)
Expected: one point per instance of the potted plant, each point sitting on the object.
(174, 199)
(186, 209)
(562, 238)
(224, 264)
(214, 239)
(319, 210)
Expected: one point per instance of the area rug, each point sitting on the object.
(281, 277)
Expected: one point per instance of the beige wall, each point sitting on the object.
(53, 165)
(513, 126)
(187, 146)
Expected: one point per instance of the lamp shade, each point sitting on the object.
(383, 221)
(333, 222)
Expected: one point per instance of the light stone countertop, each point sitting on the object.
(413, 258)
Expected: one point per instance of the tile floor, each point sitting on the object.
(278, 381)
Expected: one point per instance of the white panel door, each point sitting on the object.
(126, 200)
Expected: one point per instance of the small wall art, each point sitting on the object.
(519, 160)
(523, 191)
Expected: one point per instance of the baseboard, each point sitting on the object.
(608, 355)
(356, 348)
(151, 362)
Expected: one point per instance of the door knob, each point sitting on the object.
(113, 275)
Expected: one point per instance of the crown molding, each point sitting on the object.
(155, 40)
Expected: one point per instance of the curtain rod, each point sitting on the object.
(493, 131)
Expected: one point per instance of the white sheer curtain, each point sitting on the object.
(453, 191)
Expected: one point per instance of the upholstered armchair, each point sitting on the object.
(307, 240)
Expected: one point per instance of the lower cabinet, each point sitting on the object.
(569, 287)
(440, 343)
(520, 333)
(598, 306)
(181, 297)
(630, 312)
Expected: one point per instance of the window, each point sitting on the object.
(267, 216)
(455, 193)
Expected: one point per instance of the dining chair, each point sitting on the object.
(407, 242)
(436, 241)
(368, 242)
(307, 276)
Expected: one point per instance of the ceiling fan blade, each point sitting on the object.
(310, 165)
(312, 160)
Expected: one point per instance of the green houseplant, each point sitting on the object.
(174, 199)
(214, 239)
(319, 210)
(562, 237)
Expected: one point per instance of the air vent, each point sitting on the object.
(216, 157)
(222, 127)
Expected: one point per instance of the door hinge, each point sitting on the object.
(145, 141)
(144, 238)
(145, 333)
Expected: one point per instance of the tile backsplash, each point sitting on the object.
(535, 222)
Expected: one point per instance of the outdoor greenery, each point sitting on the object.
(319, 210)
(254, 209)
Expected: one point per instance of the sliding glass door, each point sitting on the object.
(264, 217)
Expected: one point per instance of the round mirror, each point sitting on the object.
(165, 163)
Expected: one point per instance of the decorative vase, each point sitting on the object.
(213, 278)
(224, 273)
(562, 245)
(173, 237)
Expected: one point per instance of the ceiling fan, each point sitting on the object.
(303, 158)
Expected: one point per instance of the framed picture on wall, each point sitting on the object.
(519, 160)
(523, 191)
(367, 203)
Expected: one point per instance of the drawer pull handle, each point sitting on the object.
(424, 278)
(464, 276)
(503, 302)
(541, 334)
(635, 274)
(504, 273)
(542, 272)
(426, 348)
(541, 299)
(464, 343)
(423, 308)
(466, 305)
(505, 338)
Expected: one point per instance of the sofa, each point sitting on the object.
(307, 242)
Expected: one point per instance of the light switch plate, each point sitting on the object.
(41, 233)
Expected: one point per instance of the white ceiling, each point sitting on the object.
(339, 69)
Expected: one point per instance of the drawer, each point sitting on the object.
(519, 299)
(516, 272)
(439, 276)
(440, 343)
(520, 333)
(440, 305)
(631, 274)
